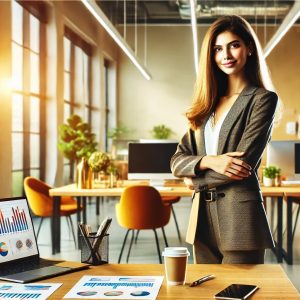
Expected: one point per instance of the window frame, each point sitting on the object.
(87, 49)
(26, 93)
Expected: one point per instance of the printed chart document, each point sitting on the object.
(119, 287)
(39, 291)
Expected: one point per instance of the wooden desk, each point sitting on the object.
(182, 191)
(71, 190)
(271, 279)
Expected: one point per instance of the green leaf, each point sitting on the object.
(121, 131)
(161, 132)
(76, 139)
(271, 172)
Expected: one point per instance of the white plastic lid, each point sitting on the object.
(176, 252)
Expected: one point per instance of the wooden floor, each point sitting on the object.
(145, 250)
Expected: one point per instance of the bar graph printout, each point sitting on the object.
(38, 291)
(116, 287)
(16, 232)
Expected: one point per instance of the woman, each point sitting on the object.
(230, 124)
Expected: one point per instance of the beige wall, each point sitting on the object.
(143, 104)
(284, 65)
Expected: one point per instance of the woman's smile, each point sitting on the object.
(229, 64)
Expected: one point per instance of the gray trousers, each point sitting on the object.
(207, 248)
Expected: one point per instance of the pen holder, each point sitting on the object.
(94, 251)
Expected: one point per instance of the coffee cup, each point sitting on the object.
(175, 259)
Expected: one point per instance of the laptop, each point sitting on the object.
(20, 260)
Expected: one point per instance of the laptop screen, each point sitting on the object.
(17, 239)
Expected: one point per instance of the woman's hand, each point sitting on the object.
(227, 164)
(189, 183)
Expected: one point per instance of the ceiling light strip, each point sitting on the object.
(286, 24)
(95, 10)
(194, 32)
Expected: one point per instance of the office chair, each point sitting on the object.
(41, 203)
(169, 200)
(141, 208)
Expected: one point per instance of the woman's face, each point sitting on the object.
(230, 53)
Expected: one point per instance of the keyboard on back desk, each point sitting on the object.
(290, 182)
(163, 188)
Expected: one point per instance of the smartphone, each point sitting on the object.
(237, 291)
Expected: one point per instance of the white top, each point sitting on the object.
(176, 252)
(211, 134)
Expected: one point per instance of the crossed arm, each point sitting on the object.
(204, 172)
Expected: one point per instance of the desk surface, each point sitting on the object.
(177, 190)
(72, 190)
(271, 279)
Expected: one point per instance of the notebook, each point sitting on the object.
(20, 260)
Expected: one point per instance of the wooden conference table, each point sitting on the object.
(178, 190)
(271, 280)
(81, 194)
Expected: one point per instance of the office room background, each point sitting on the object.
(112, 82)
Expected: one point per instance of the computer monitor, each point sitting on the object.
(151, 161)
(286, 156)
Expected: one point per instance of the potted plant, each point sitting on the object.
(161, 132)
(76, 139)
(269, 175)
(100, 164)
(76, 143)
(118, 132)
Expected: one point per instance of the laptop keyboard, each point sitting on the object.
(26, 266)
(36, 274)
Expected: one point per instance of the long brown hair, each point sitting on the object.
(211, 82)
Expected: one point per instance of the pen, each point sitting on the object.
(202, 279)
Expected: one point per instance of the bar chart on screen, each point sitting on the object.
(17, 238)
(12, 220)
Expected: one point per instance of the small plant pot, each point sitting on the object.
(268, 181)
(277, 180)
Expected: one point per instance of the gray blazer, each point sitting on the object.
(247, 127)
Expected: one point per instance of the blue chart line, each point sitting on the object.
(115, 285)
(19, 296)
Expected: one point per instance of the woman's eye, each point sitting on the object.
(235, 45)
(218, 49)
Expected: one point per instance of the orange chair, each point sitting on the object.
(41, 203)
(141, 208)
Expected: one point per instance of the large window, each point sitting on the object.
(78, 98)
(28, 79)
